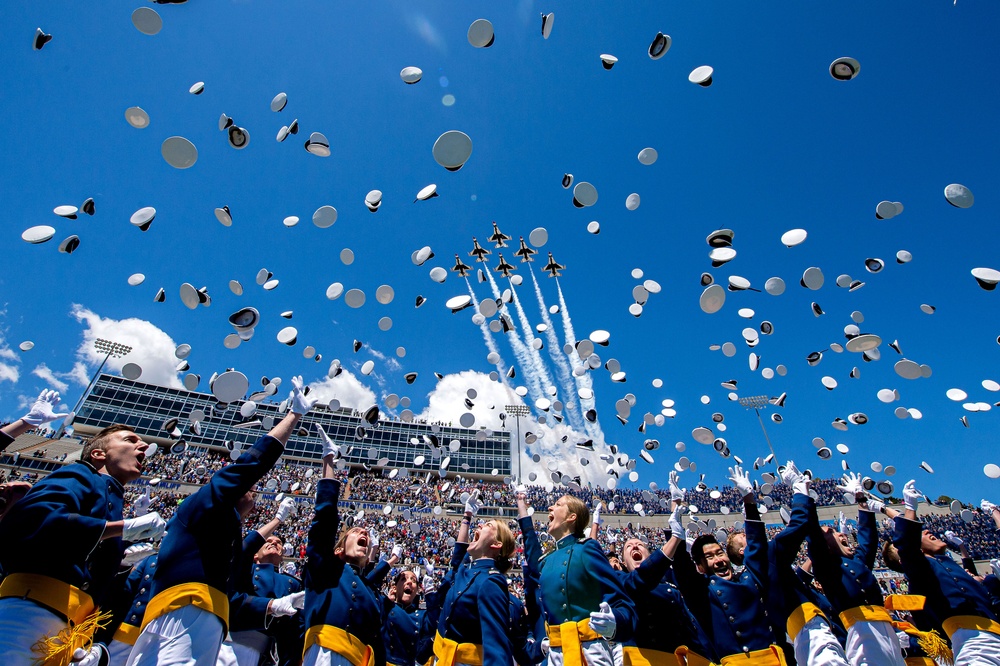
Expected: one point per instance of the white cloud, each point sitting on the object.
(152, 349)
(78, 374)
(9, 373)
(346, 388)
(7, 353)
(446, 403)
(44, 372)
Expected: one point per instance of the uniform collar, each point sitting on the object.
(565, 542)
(484, 563)
(112, 481)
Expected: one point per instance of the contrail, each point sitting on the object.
(584, 380)
(520, 351)
(529, 337)
(563, 369)
(488, 337)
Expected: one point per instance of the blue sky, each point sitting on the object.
(774, 144)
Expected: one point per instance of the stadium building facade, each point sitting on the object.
(389, 444)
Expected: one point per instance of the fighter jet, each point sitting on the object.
(478, 251)
(553, 268)
(460, 268)
(525, 252)
(499, 237)
(503, 268)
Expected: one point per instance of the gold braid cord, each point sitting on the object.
(58, 650)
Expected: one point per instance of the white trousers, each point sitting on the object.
(975, 648)
(188, 636)
(873, 644)
(320, 656)
(22, 624)
(816, 645)
(118, 653)
(617, 653)
(595, 653)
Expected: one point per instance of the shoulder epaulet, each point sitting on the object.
(582, 539)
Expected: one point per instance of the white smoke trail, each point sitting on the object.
(563, 370)
(537, 364)
(583, 380)
(488, 337)
(520, 351)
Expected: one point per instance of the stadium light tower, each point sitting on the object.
(110, 349)
(758, 402)
(517, 411)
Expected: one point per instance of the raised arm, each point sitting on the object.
(42, 411)
(787, 542)
(906, 537)
(602, 575)
(532, 546)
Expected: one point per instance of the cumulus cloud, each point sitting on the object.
(45, 373)
(9, 373)
(346, 388)
(446, 403)
(152, 348)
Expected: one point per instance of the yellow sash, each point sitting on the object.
(974, 622)
(449, 652)
(905, 602)
(198, 595)
(636, 656)
(771, 656)
(343, 643)
(800, 616)
(62, 598)
(920, 661)
(127, 633)
(852, 616)
(570, 636)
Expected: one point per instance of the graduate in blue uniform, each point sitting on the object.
(343, 608)
(666, 628)
(62, 545)
(845, 572)
(401, 624)
(262, 555)
(789, 601)
(583, 600)
(955, 598)
(194, 592)
(475, 615)
(732, 608)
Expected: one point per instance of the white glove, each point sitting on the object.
(397, 551)
(953, 540)
(988, 506)
(285, 509)
(597, 513)
(43, 409)
(603, 621)
(91, 657)
(429, 568)
(676, 528)
(141, 504)
(874, 504)
(521, 491)
(995, 567)
(911, 496)
(842, 523)
(287, 605)
(791, 476)
(741, 480)
(143, 528)
(473, 505)
(301, 403)
(851, 484)
(676, 492)
(330, 448)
